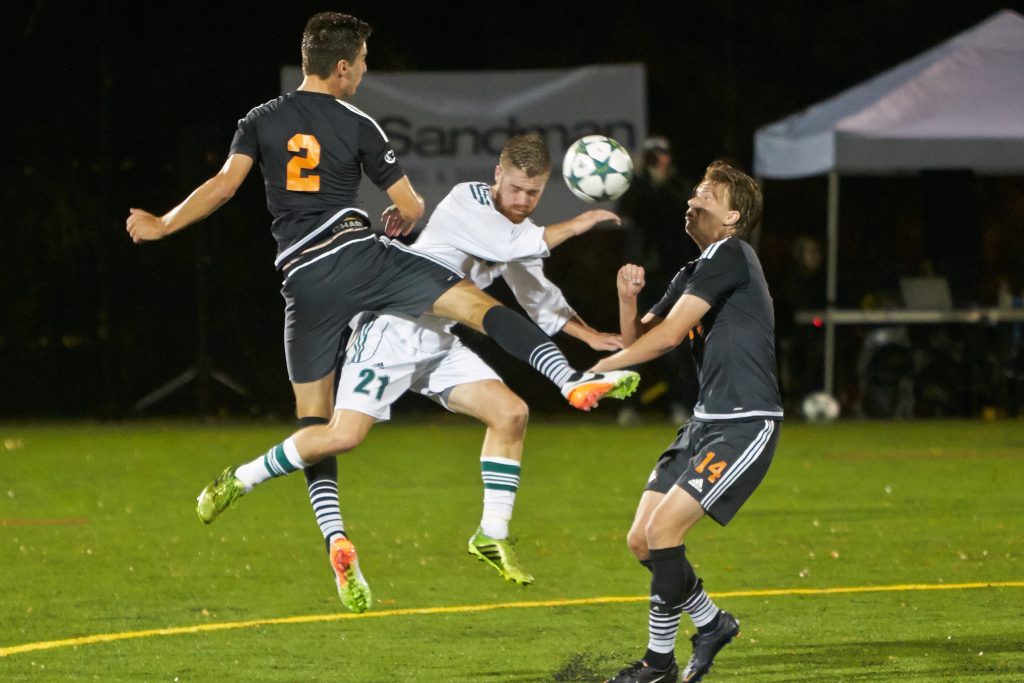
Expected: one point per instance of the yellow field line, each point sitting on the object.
(467, 609)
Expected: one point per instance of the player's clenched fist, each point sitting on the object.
(630, 281)
(143, 226)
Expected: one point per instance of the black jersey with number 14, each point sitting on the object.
(735, 343)
(313, 150)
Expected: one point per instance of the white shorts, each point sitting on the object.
(381, 365)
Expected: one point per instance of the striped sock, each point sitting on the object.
(700, 608)
(672, 578)
(548, 360)
(323, 495)
(322, 482)
(662, 626)
(501, 481)
(523, 339)
(280, 460)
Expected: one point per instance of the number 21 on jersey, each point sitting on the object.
(366, 376)
(296, 182)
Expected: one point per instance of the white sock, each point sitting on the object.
(501, 481)
(280, 460)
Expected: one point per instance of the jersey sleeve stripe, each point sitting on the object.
(356, 110)
(710, 251)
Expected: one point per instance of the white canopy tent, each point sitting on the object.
(959, 105)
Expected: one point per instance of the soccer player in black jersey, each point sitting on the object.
(721, 303)
(313, 148)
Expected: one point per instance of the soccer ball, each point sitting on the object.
(597, 169)
(820, 407)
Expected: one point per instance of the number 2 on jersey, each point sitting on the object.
(296, 182)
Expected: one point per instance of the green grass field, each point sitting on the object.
(873, 551)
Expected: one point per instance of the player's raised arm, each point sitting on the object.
(683, 317)
(628, 283)
(595, 339)
(143, 226)
(407, 209)
(559, 232)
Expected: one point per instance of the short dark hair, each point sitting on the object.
(744, 194)
(330, 37)
(529, 153)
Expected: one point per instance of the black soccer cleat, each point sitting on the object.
(707, 645)
(641, 672)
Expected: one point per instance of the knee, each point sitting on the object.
(636, 539)
(510, 418)
(342, 440)
(465, 303)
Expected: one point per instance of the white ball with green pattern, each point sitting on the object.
(819, 406)
(597, 169)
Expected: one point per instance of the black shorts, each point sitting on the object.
(718, 463)
(324, 292)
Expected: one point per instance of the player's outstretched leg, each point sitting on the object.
(584, 393)
(522, 339)
(235, 482)
(219, 495)
(352, 587)
(499, 554)
(707, 645)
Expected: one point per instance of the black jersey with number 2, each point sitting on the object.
(313, 150)
(735, 342)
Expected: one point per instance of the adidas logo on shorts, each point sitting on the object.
(697, 484)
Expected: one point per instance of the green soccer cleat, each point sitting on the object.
(499, 554)
(219, 496)
(352, 587)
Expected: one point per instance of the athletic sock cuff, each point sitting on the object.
(500, 461)
(674, 553)
(291, 452)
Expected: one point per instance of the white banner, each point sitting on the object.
(449, 127)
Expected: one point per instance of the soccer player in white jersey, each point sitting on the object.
(485, 232)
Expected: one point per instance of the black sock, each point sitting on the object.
(322, 482)
(672, 578)
(711, 625)
(647, 564)
(527, 342)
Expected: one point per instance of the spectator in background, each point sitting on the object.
(801, 347)
(1011, 295)
(651, 210)
(1003, 273)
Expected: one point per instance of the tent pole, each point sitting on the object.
(830, 293)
